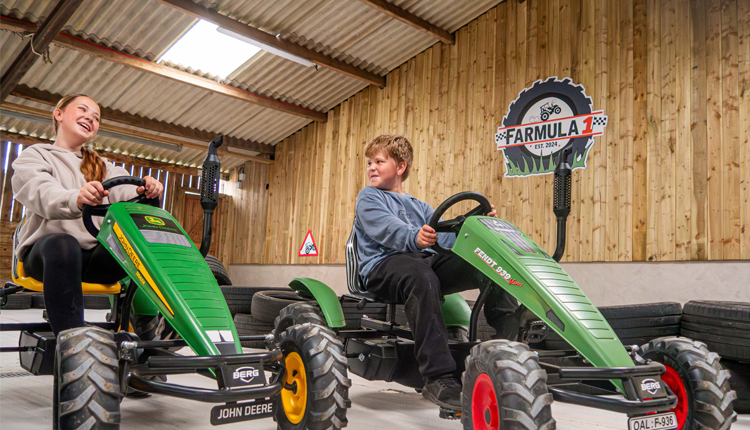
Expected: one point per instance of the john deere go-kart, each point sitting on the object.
(669, 383)
(302, 383)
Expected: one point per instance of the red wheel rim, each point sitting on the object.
(484, 413)
(675, 383)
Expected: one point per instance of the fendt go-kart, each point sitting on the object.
(669, 383)
(301, 381)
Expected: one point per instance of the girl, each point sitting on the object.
(53, 182)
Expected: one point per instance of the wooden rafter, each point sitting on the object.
(198, 11)
(45, 116)
(171, 73)
(410, 19)
(113, 115)
(120, 158)
(38, 44)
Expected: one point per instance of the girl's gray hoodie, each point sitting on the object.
(46, 180)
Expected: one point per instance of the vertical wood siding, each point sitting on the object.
(669, 180)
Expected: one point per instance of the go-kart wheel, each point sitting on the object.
(454, 225)
(316, 386)
(87, 386)
(497, 365)
(297, 313)
(88, 211)
(694, 374)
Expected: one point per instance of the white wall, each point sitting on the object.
(605, 283)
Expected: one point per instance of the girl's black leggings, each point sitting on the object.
(59, 262)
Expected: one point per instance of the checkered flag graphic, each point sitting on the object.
(600, 120)
(499, 136)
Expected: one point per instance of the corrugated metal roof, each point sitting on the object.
(347, 30)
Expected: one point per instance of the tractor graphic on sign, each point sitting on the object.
(548, 109)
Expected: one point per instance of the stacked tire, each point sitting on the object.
(264, 306)
(21, 300)
(725, 328)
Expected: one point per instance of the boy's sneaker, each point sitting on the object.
(443, 391)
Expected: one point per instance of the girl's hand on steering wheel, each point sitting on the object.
(153, 188)
(426, 237)
(492, 213)
(91, 193)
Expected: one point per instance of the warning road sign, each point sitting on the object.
(308, 248)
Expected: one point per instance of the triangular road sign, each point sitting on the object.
(308, 249)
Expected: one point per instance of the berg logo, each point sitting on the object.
(650, 385)
(245, 374)
(154, 220)
(544, 119)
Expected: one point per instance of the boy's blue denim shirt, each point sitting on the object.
(388, 223)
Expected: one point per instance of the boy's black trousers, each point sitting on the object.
(419, 280)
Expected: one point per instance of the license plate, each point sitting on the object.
(666, 421)
(236, 412)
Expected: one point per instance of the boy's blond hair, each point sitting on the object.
(397, 147)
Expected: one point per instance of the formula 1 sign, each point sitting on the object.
(544, 119)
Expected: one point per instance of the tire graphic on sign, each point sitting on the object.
(541, 105)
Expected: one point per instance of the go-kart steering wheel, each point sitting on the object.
(101, 210)
(454, 225)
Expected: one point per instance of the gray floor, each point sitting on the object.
(26, 401)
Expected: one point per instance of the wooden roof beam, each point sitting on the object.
(171, 73)
(51, 99)
(210, 15)
(410, 19)
(43, 116)
(39, 43)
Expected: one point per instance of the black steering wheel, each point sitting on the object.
(454, 225)
(101, 210)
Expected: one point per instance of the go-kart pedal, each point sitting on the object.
(449, 414)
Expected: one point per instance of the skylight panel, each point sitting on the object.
(204, 48)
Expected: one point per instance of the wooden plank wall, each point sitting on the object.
(245, 218)
(669, 180)
(12, 211)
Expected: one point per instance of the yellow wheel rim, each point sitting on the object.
(294, 403)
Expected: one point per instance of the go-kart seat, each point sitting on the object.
(353, 281)
(20, 278)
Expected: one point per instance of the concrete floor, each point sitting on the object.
(26, 401)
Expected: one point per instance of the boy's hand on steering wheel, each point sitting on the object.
(426, 236)
(153, 188)
(492, 213)
(91, 193)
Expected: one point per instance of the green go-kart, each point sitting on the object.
(301, 381)
(669, 383)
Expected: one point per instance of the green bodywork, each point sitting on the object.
(173, 277)
(325, 297)
(456, 311)
(537, 281)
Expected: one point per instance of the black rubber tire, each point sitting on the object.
(247, 325)
(87, 386)
(218, 270)
(37, 301)
(20, 300)
(239, 299)
(723, 326)
(96, 301)
(267, 305)
(520, 385)
(661, 321)
(326, 376)
(740, 382)
(731, 347)
(709, 396)
(641, 310)
(298, 313)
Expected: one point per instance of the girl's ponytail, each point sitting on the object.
(92, 166)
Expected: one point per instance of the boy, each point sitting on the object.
(396, 265)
